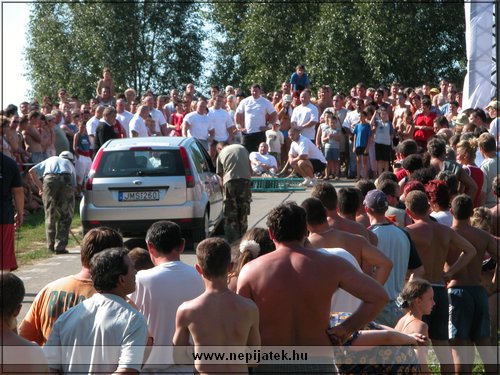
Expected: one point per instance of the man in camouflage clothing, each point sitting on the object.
(233, 165)
(58, 195)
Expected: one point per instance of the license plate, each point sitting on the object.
(126, 196)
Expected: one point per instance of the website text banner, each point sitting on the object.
(252, 356)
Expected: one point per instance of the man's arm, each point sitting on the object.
(185, 127)
(371, 255)
(18, 193)
(36, 180)
(468, 252)
(372, 295)
(181, 337)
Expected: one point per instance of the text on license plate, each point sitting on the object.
(152, 195)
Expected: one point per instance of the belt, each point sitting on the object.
(57, 174)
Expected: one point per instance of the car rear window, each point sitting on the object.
(128, 163)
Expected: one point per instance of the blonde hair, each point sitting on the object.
(481, 218)
(468, 148)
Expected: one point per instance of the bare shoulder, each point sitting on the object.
(417, 326)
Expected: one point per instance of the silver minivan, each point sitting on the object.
(134, 182)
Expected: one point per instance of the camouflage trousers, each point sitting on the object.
(59, 205)
(237, 199)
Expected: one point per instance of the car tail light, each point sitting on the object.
(93, 169)
(187, 167)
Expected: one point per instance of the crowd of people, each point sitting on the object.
(399, 259)
(317, 276)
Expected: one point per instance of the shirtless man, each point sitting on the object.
(295, 310)
(217, 317)
(469, 316)
(33, 138)
(433, 240)
(47, 134)
(326, 193)
(321, 235)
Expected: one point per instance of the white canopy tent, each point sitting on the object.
(480, 85)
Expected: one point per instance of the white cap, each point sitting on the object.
(66, 155)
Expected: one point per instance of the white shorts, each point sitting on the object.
(82, 168)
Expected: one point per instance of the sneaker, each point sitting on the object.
(312, 182)
(306, 182)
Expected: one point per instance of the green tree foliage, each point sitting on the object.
(147, 44)
(340, 43)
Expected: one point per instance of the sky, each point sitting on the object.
(15, 86)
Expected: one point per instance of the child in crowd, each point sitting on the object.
(275, 140)
(330, 138)
(382, 128)
(362, 136)
(106, 81)
(83, 152)
(177, 119)
(417, 298)
(218, 317)
(141, 259)
(254, 243)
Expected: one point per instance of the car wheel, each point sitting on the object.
(204, 231)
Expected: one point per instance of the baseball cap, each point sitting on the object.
(434, 91)
(462, 119)
(66, 155)
(493, 104)
(376, 200)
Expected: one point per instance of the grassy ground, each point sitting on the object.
(30, 240)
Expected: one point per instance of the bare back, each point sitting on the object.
(353, 227)
(338, 238)
(219, 319)
(470, 275)
(495, 220)
(293, 290)
(432, 241)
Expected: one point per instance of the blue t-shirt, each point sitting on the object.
(362, 133)
(303, 81)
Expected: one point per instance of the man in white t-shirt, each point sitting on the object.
(251, 117)
(163, 288)
(222, 123)
(305, 158)
(157, 116)
(93, 122)
(123, 116)
(262, 161)
(137, 125)
(198, 125)
(305, 116)
(103, 334)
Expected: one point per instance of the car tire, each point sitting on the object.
(204, 231)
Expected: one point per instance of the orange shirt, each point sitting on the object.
(50, 303)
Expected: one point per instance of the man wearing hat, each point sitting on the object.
(396, 244)
(58, 194)
(492, 109)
